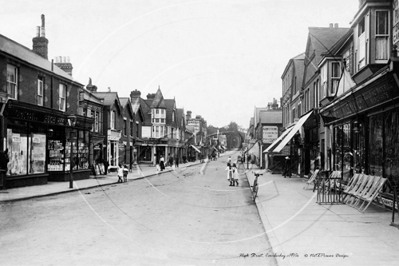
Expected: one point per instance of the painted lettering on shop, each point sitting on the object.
(25, 115)
(378, 94)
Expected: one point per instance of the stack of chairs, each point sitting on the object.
(363, 189)
(331, 183)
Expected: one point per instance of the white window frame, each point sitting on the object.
(334, 78)
(112, 119)
(12, 81)
(384, 35)
(40, 91)
(62, 97)
(362, 51)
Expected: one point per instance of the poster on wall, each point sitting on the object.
(38, 153)
(270, 134)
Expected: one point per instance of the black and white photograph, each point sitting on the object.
(199, 132)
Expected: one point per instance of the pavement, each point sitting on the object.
(54, 188)
(300, 231)
(303, 232)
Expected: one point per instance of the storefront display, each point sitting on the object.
(56, 155)
(27, 151)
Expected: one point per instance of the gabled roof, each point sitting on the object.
(125, 102)
(110, 98)
(322, 39)
(145, 107)
(158, 101)
(299, 57)
(170, 108)
(23, 53)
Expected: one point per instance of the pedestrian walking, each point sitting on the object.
(235, 174)
(120, 173)
(170, 160)
(162, 163)
(287, 167)
(177, 161)
(229, 174)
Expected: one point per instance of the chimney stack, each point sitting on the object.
(188, 116)
(335, 25)
(331, 25)
(134, 95)
(40, 43)
(91, 87)
(63, 62)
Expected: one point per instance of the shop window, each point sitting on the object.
(12, 81)
(27, 150)
(391, 133)
(375, 145)
(62, 95)
(40, 91)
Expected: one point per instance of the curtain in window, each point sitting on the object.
(381, 48)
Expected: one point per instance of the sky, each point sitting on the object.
(218, 58)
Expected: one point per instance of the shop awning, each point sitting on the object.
(291, 134)
(215, 149)
(278, 140)
(195, 148)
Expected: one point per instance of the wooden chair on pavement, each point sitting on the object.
(312, 179)
(370, 186)
(363, 179)
(356, 195)
(372, 194)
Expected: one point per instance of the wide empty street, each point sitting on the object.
(190, 216)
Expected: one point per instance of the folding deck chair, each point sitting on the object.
(369, 197)
(311, 179)
(362, 181)
(371, 185)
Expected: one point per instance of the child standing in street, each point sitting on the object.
(235, 174)
(120, 173)
(229, 174)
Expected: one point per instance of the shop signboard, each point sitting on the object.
(270, 134)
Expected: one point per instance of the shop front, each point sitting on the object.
(36, 139)
(365, 131)
(113, 147)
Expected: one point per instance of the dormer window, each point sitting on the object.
(381, 35)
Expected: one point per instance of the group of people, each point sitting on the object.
(170, 162)
(232, 173)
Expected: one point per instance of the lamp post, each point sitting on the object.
(71, 122)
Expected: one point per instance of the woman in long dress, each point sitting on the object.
(229, 174)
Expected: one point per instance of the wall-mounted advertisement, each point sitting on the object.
(270, 134)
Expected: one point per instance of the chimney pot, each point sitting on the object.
(42, 32)
(331, 25)
(336, 25)
(38, 31)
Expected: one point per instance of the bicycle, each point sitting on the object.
(255, 186)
